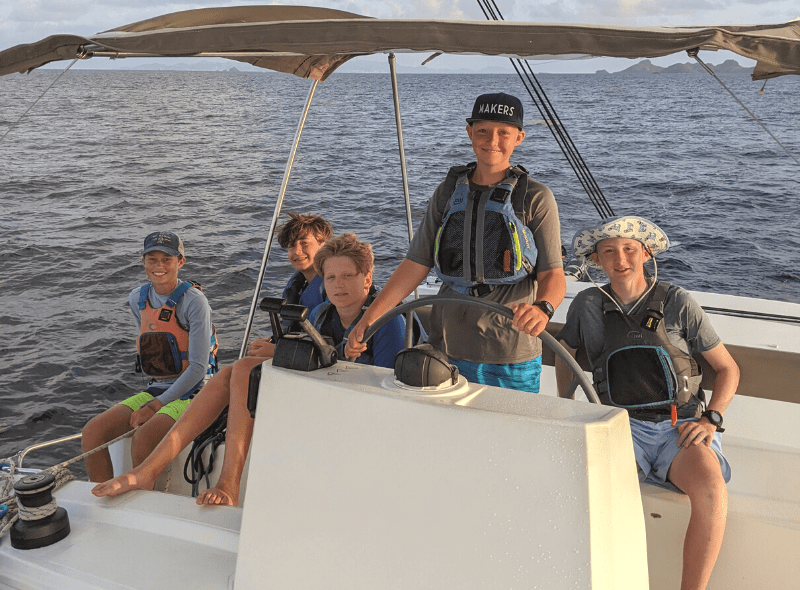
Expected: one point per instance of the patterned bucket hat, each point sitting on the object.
(626, 226)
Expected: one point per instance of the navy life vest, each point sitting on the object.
(163, 343)
(482, 241)
(294, 290)
(640, 370)
(324, 319)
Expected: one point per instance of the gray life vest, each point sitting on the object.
(640, 370)
(482, 242)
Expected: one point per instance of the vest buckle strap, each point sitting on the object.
(480, 290)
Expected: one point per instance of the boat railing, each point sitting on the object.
(20, 456)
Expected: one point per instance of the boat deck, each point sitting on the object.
(762, 444)
(139, 540)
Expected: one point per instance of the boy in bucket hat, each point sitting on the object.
(174, 345)
(513, 256)
(638, 321)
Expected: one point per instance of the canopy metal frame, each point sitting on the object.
(274, 223)
(285, 183)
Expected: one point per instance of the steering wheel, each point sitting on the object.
(578, 376)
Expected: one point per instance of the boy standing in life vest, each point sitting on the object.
(490, 231)
(174, 345)
(639, 335)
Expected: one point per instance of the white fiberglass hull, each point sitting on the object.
(355, 484)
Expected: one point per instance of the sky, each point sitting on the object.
(26, 21)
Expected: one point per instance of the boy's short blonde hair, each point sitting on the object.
(346, 245)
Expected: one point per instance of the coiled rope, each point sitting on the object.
(211, 438)
(17, 510)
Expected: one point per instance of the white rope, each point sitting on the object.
(77, 458)
(38, 513)
(17, 510)
(8, 498)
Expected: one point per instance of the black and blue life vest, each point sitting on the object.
(482, 242)
(297, 292)
(323, 322)
(640, 370)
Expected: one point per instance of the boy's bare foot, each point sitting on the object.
(218, 496)
(124, 483)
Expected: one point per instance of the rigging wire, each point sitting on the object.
(553, 122)
(694, 53)
(14, 124)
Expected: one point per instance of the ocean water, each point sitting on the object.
(107, 157)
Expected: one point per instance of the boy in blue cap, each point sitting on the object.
(302, 236)
(170, 316)
(490, 231)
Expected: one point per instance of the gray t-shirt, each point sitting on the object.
(687, 325)
(194, 312)
(472, 333)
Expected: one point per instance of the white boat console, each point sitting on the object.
(356, 482)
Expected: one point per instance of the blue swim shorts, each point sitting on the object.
(522, 376)
(655, 445)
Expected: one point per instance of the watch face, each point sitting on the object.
(715, 417)
(546, 307)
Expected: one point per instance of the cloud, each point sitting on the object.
(47, 11)
(443, 9)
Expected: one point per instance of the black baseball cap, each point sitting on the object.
(499, 107)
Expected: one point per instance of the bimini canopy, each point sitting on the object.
(313, 42)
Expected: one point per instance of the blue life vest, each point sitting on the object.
(299, 291)
(323, 321)
(481, 241)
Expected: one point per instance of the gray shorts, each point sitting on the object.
(655, 445)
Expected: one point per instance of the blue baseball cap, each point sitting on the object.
(499, 107)
(162, 241)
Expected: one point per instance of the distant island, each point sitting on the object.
(642, 68)
(367, 66)
(646, 67)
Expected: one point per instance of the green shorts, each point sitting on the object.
(173, 409)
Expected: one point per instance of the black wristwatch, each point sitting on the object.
(546, 308)
(715, 418)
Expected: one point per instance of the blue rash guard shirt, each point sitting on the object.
(386, 342)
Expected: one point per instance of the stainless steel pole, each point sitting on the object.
(400, 145)
(275, 216)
